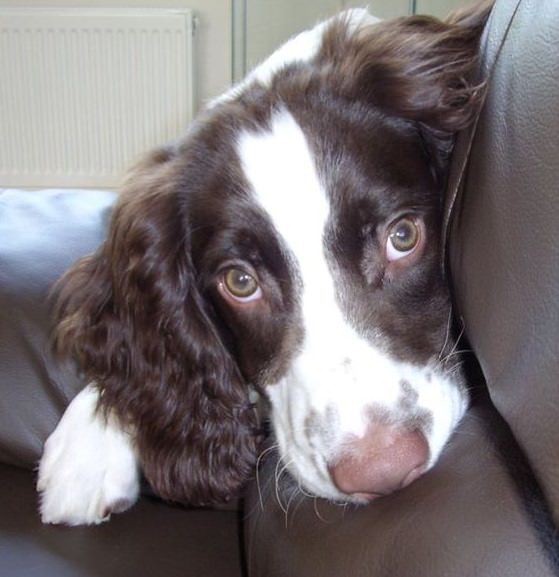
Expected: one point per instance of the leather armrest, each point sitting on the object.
(504, 254)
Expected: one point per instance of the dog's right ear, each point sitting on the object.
(417, 68)
(133, 318)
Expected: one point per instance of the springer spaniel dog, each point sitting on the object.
(289, 245)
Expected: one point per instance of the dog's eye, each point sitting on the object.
(241, 285)
(403, 238)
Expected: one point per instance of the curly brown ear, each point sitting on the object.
(417, 68)
(134, 320)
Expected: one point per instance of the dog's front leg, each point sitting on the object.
(88, 469)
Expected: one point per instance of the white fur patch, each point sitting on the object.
(337, 377)
(88, 468)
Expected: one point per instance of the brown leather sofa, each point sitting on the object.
(490, 507)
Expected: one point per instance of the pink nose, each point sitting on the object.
(385, 459)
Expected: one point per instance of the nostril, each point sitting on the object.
(385, 459)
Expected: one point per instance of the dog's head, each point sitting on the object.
(291, 242)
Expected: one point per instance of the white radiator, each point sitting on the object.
(83, 92)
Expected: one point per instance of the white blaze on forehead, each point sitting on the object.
(281, 170)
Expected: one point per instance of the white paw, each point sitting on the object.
(88, 469)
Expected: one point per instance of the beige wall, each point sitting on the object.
(270, 22)
(393, 8)
(440, 8)
(383, 8)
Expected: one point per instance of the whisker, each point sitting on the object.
(317, 513)
(277, 476)
(447, 336)
(293, 495)
(265, 452)
(453, 354)
(306, 493)
(258, 461)
(460, 335)
(454, 367)
(442, 358)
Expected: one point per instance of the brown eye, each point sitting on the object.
(403, 238)
(241, 285)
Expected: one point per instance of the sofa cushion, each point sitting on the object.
(149, 540)
(41, 234)
(463, 518)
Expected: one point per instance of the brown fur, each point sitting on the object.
(134, 319)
